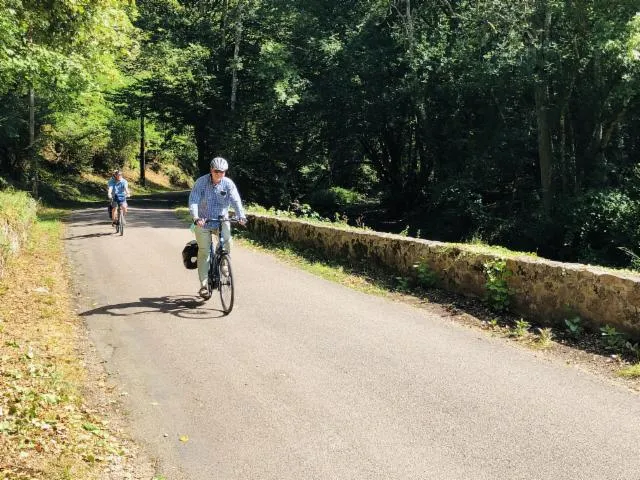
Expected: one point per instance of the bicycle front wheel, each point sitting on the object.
(225, 285)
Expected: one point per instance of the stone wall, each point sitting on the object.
(540, 289)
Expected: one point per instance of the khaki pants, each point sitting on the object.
(203, 237)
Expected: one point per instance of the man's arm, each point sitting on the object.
(236, 201)
(194, 199)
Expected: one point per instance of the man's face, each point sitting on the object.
(217, 175)
(118, 177)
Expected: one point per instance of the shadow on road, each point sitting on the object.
(180, 306)
(137, 217)
(170, 199)
(89, 235)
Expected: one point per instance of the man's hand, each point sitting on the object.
(242, 221)
(199, 222)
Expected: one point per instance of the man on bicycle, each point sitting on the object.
(117, 191)
(211, 197)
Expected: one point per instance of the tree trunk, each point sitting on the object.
(32, 140)
(143, 180)
(236, 56)
(541, 94)
(545, 150)
(202, 146)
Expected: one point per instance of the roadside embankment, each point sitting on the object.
(17, 214)
(544, 290)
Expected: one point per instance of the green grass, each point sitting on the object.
(327, 269)
(17, 207)
(632, 371)
(17, 214)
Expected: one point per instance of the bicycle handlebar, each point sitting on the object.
(219, 219)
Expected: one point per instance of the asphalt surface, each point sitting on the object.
(307, 379)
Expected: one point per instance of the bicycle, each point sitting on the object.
(220, 275)
(121, 219)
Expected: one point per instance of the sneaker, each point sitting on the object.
(204, 293)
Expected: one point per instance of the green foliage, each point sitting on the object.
(435, 114)
(334, 198)
(633, 349)
(497, 273)
(603, 222)
(17, 214)
(611, 338)
(632, 371)
(545, 337)
(425, 276)
(520, 329)
(68, 53)
(635, 259)
(574, 326)
(403, 284)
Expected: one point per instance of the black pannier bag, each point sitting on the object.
(190, 255)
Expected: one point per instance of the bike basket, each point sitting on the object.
(190, 255)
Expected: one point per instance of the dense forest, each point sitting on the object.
(509, 122)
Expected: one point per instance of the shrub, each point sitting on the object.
(601, 223)
(17, 213)
(334, 198)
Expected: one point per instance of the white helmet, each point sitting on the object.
(219, 163)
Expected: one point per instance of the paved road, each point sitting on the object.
(307, 379)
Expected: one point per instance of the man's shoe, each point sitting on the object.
(204, 293)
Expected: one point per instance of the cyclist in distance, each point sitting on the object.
(117, 191)
(211, 197)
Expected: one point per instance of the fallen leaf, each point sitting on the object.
(184, 438)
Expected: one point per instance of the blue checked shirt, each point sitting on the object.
(208, 200)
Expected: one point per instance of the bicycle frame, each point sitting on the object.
(120, 218)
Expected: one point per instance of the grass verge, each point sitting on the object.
(632, 371)
(46, 430)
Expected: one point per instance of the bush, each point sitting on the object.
(177, 177)
(17, 213)
(602, 225)
(334, 198)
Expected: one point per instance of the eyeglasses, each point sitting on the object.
(218, 171)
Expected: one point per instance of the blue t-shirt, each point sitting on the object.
(119, 188)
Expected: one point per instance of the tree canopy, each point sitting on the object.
(513, 122)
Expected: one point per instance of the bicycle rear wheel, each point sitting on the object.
(121, 220)
(225, 283)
